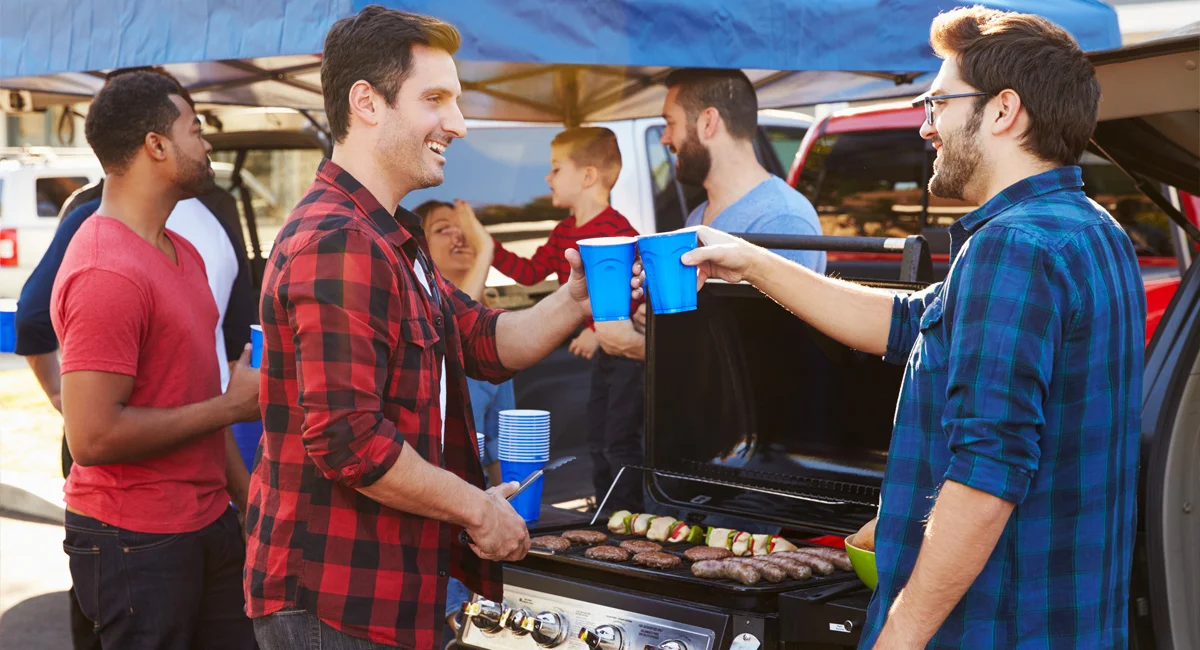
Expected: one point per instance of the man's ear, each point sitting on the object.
(709, 123)
(364, 103)
(1009, 113)
(155, 145)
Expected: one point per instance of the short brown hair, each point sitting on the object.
(427, 208)
(128, 107)
(999, 50)
(592, 146)
(728, 91)
(375, 46)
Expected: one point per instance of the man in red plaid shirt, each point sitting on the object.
(368, 469)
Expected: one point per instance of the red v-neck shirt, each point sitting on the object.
(120, 305)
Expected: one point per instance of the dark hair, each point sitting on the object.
(375, 46)
(728, 91)
(183, 91)
(592, 146)
(128, 107)
(999, 50)
(427, 208)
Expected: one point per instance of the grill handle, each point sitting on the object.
(916, 264)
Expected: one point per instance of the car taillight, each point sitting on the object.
(8, 247)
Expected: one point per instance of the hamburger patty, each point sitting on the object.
(586, 537)
(550, 543)
(657, 560)
(607, 554)
(702, 553)
(640, 546)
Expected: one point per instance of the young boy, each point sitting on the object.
(584, 165)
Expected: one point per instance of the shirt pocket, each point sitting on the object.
(414, 374)
(932, 345)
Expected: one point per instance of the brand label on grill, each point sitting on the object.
(846, 627)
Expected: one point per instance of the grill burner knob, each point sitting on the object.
(485, 614)
(605, 637)
(673, 644)
(550, 629)
(519, 621)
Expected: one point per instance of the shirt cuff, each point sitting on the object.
(989, 475)
(897, 351)
(379, 456)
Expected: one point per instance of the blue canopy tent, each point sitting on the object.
(564, 61)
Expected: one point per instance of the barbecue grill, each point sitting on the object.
(754, 421)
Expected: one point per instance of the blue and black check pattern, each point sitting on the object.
(1024, 380)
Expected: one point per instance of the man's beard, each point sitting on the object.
(194, 177)
(961, 158)
(406, 158)
(693, 160)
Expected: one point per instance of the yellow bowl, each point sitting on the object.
(864, 564)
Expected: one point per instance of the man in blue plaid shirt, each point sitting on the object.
(1008, 506)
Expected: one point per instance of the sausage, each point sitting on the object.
(769, 572)
(836, 556)
(701, 553)
(742, 573)
(550, 543)
(819, 565)
(794, 569)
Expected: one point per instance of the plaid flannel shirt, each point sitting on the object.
(1024, 381)
(354, 347)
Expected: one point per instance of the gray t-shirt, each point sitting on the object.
(772, 207)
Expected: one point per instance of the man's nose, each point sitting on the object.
(928, 131)
(454, 123)
(664, 139)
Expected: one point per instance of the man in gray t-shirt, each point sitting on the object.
(712, 117)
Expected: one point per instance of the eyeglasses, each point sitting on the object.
(928, 100)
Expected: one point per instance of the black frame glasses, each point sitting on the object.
(928, 100)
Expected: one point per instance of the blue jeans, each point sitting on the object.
(487, 400)
(296, 629)
(161, 591)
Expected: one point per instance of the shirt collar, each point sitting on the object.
(389, 224)
(1058, 179)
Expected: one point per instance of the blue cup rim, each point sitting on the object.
(600, 242)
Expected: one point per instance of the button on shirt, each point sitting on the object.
(1024, 381)
(353, 345)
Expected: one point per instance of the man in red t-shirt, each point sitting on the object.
(155, 550)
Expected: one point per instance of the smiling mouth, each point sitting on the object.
(436, 147)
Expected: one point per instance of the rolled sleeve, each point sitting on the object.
(1007, 324)
(342, 295)
(906, 323)
(477, 328)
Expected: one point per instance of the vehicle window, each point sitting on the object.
(868, 183)
(785, 140)
(53, 191)
(673, 201)
(1147, 226)
(277, 180)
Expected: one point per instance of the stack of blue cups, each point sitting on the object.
(480, 440)
(524, 449)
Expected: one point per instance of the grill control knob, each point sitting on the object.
(550, 629)
(604, 637)
(519, 621)
(485, 614)
(672, 644)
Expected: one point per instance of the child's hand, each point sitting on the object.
(585, 345)
(473, 231)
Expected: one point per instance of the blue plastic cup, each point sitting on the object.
(247, 436)
(8, 325)
(670, 284)
(608, 264)
(256, 343)
(528, 504)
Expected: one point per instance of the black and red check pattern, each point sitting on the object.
(550, 258)
(354, 347)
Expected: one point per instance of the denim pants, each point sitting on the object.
(178, 591)
(296, 629)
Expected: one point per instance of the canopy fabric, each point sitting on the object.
(568, 60)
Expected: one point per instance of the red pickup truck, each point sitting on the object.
(866, 172)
